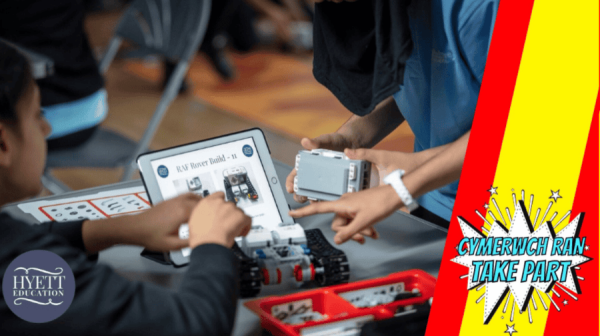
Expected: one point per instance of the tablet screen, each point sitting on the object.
(234, 168)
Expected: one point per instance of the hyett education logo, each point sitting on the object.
(38, 286)
(522, 255)
(162, 171)
(247, 150)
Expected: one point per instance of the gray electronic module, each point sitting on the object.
(326, 175)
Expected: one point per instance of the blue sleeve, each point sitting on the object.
(476, 34)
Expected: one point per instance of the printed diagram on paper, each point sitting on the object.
(97, 206)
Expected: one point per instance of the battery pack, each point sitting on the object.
(325, 175)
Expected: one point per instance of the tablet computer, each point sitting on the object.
(238, 164)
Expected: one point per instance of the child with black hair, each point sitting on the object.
(105, 303)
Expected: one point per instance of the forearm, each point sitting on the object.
(367, 131)
(104, 233)
(426, 155)
(440, 169)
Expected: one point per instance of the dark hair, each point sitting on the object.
(15, 75)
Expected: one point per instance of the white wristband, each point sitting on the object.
(395, 180)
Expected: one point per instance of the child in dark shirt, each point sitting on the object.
(106, 303)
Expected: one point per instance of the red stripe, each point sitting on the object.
(97, 208)
(143, 200)
(586, 200)
(45, 213)
(481, 160)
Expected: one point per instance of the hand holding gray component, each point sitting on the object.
(326, 175)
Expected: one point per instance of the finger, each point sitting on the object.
(175, 243)
(300, 199)
(216, 195)
(246, 230)
(338, 222)
(310, 143)
(191, 199)
(186, 200)
(329, 141)
(357, 237)
(246, 224)
(190, 196)
(371, 155)
(369, 232)
(289, 181)
(355, 226)
(316, 208)
(373, 233)
(187, 203)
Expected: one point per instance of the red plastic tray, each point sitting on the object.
(335, 308)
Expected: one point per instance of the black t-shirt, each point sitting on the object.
(105, 303)
(361, 49)
(54, 28)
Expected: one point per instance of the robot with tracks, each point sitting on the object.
(238, 185)
(270, 257)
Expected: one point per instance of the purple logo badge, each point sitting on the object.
(38, 286)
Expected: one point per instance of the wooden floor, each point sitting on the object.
(272, 91)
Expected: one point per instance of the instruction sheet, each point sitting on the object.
(96, 206)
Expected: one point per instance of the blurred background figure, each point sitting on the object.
(254, 68)
(73, 99)
(223, 14)
(245, 24)
(288, 22)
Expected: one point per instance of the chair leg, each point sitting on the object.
(171, 89)
(168, 96)
(110, 54)
(54, 185)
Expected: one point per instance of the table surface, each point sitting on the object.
(405, 243)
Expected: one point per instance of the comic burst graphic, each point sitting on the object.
(522, 256)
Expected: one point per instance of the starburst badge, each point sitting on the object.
(520, 255)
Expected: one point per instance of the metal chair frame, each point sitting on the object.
(149, 25)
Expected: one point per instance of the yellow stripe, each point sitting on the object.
(546, 132)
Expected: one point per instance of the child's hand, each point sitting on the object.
(216, 221)
(356, 213)
(332, 141)
(158, 228)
